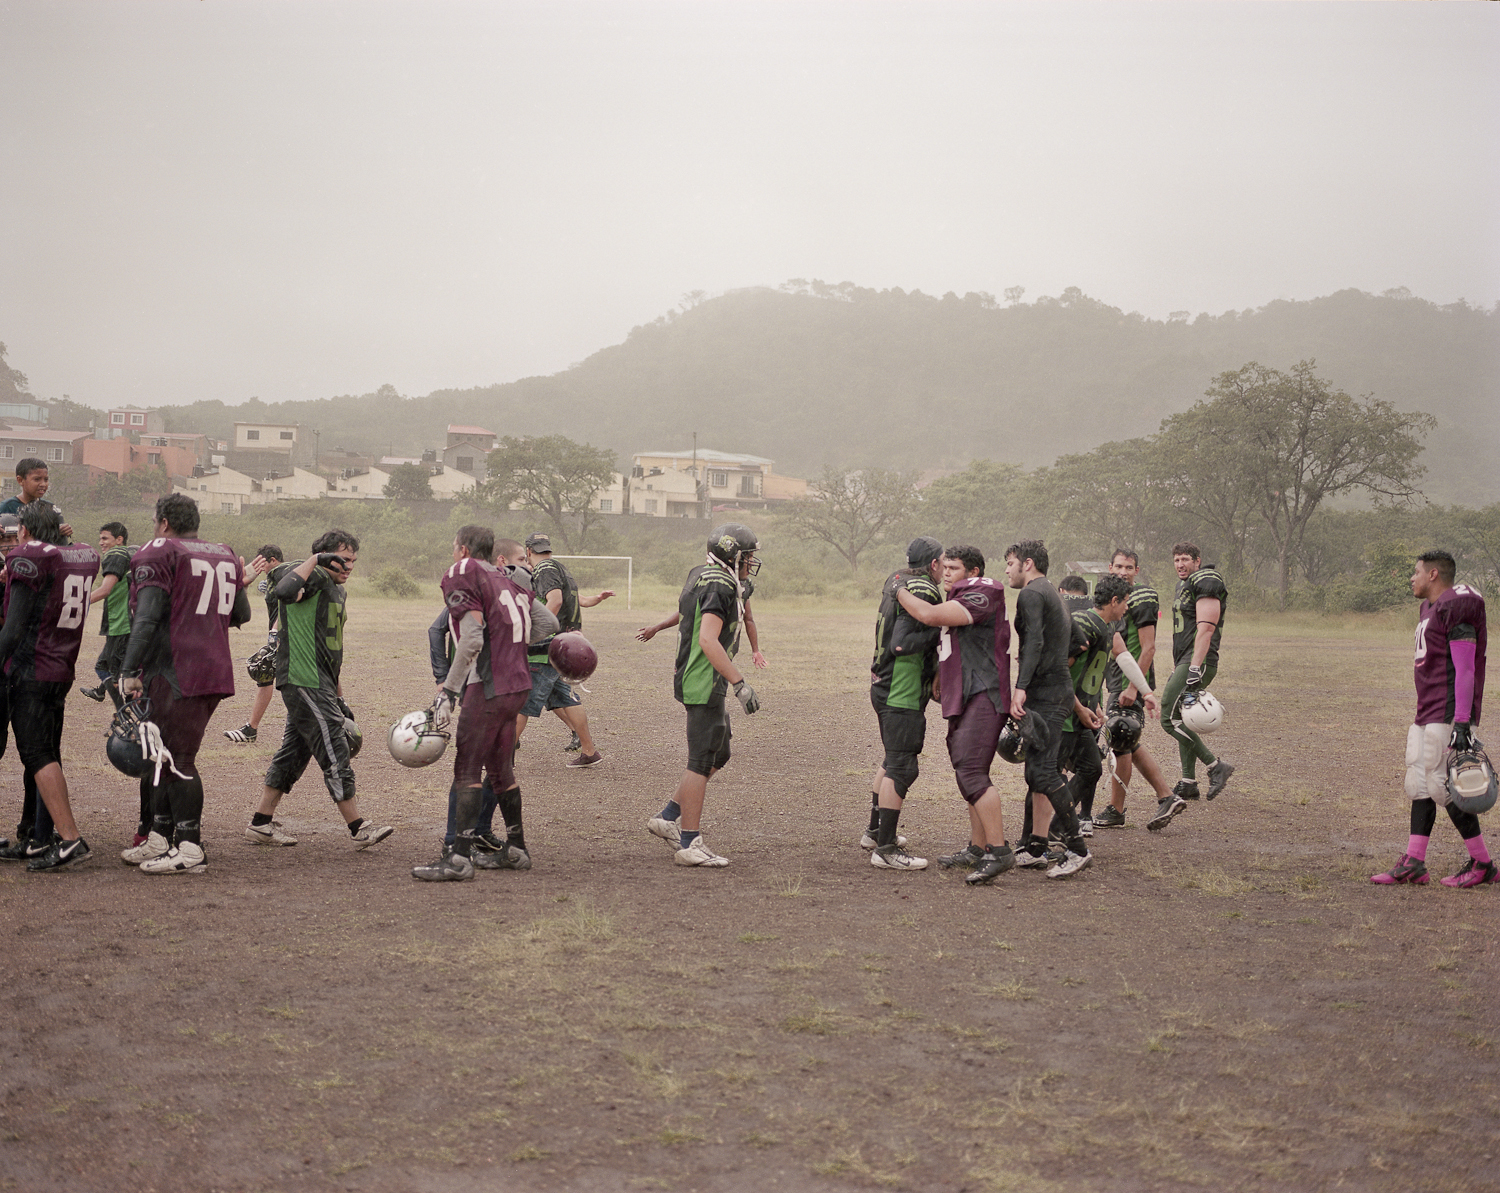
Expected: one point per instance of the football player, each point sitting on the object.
(973, 686)
(309, 662)
(491, 624)
(46, 604)
(901, 675)
(114, 568)
(1449, 674)
(1138, 629)
(1197, 625)
(555, 587)
(14, 850)
(708, 638)
(266, 560)
(187, 594)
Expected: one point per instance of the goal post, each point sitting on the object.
(629, 561)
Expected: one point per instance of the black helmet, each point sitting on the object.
(122, 745)
(731, 541)
(262, 664)
(1011, 746)
(1122, 730)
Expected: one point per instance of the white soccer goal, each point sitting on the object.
(629, 569)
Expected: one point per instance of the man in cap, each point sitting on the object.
(901, 675)
(555, 587)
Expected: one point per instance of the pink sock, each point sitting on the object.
(1477, 851)
(1417, 847)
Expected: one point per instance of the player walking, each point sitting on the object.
(309, 661)
(901, 676)
(973, 685)
(1197, 624)
(708, 637)
(1449, 675)
(491, 624)
(555, 587)
(1138, 630)
(1045, 690)
(46, 604)
(187, 594)
(113, 590)
(266, 561)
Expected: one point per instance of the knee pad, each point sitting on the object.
(902, 770)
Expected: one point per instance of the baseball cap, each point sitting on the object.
(922, 550)
(539, 542)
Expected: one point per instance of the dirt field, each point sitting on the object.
(1226, 1005)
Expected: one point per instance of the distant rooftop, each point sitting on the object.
(706, 455)
(455, 429)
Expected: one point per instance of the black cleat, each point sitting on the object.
(59, 855)
(1218, 776)
(996, 861)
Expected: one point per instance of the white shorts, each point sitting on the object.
(1427, 762)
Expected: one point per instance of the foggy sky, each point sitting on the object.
(295, 200)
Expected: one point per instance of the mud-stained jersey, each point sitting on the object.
(116, 563)
(62, 578)
(975, 658)
(473, 586)
(1142, 608)
(710, 588)
(1457, 615)
(1205, 582)
(905, 650)
(202, 580)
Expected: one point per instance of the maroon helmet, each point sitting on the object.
(573, 656)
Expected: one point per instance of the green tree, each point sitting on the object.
(409, 482)
(1280, 444)
(554, 476)
(854, 510)
(969, 506)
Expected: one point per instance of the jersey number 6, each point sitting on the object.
(227, 573)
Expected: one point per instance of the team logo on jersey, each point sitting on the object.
(21, 566)
(144, 572)
(457, 598)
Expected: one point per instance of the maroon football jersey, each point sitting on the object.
(471, 585)
(976, 658)
(1439, 623)
(202, 580)
(63, 577)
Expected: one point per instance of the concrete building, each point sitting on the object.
(119, 456)
(715, 480)
(467, 450)
(52, 447)
(123, 421)
(276, 437)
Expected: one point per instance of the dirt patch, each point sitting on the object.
(1227, 1004)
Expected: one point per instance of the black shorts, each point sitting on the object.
(314, 729)
(1079, 753)
(486, 739)
(182, 720)
(972, 736)
(112, 655)
(708, 737)
(903, 731)
(36, 716)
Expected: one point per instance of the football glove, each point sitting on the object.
(345, 709)
(442, 709)
(1463, 736)
(1194, 677)
(745, 694)
(333, 561)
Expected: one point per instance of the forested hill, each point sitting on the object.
(811, 375)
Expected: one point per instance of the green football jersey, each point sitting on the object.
(1092, 639)
(904, 680)
(710, 588)
(1142, 608)
(310, 650)
(1205, 582)
(116, 563)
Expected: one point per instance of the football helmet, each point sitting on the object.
(123, 744)
(1201, 712)
(1122, 730)
(1012, 743)
(573, 656)
(414, 741)
(732, 540)
(1471, 780)
(356, 738)
(262, 664)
